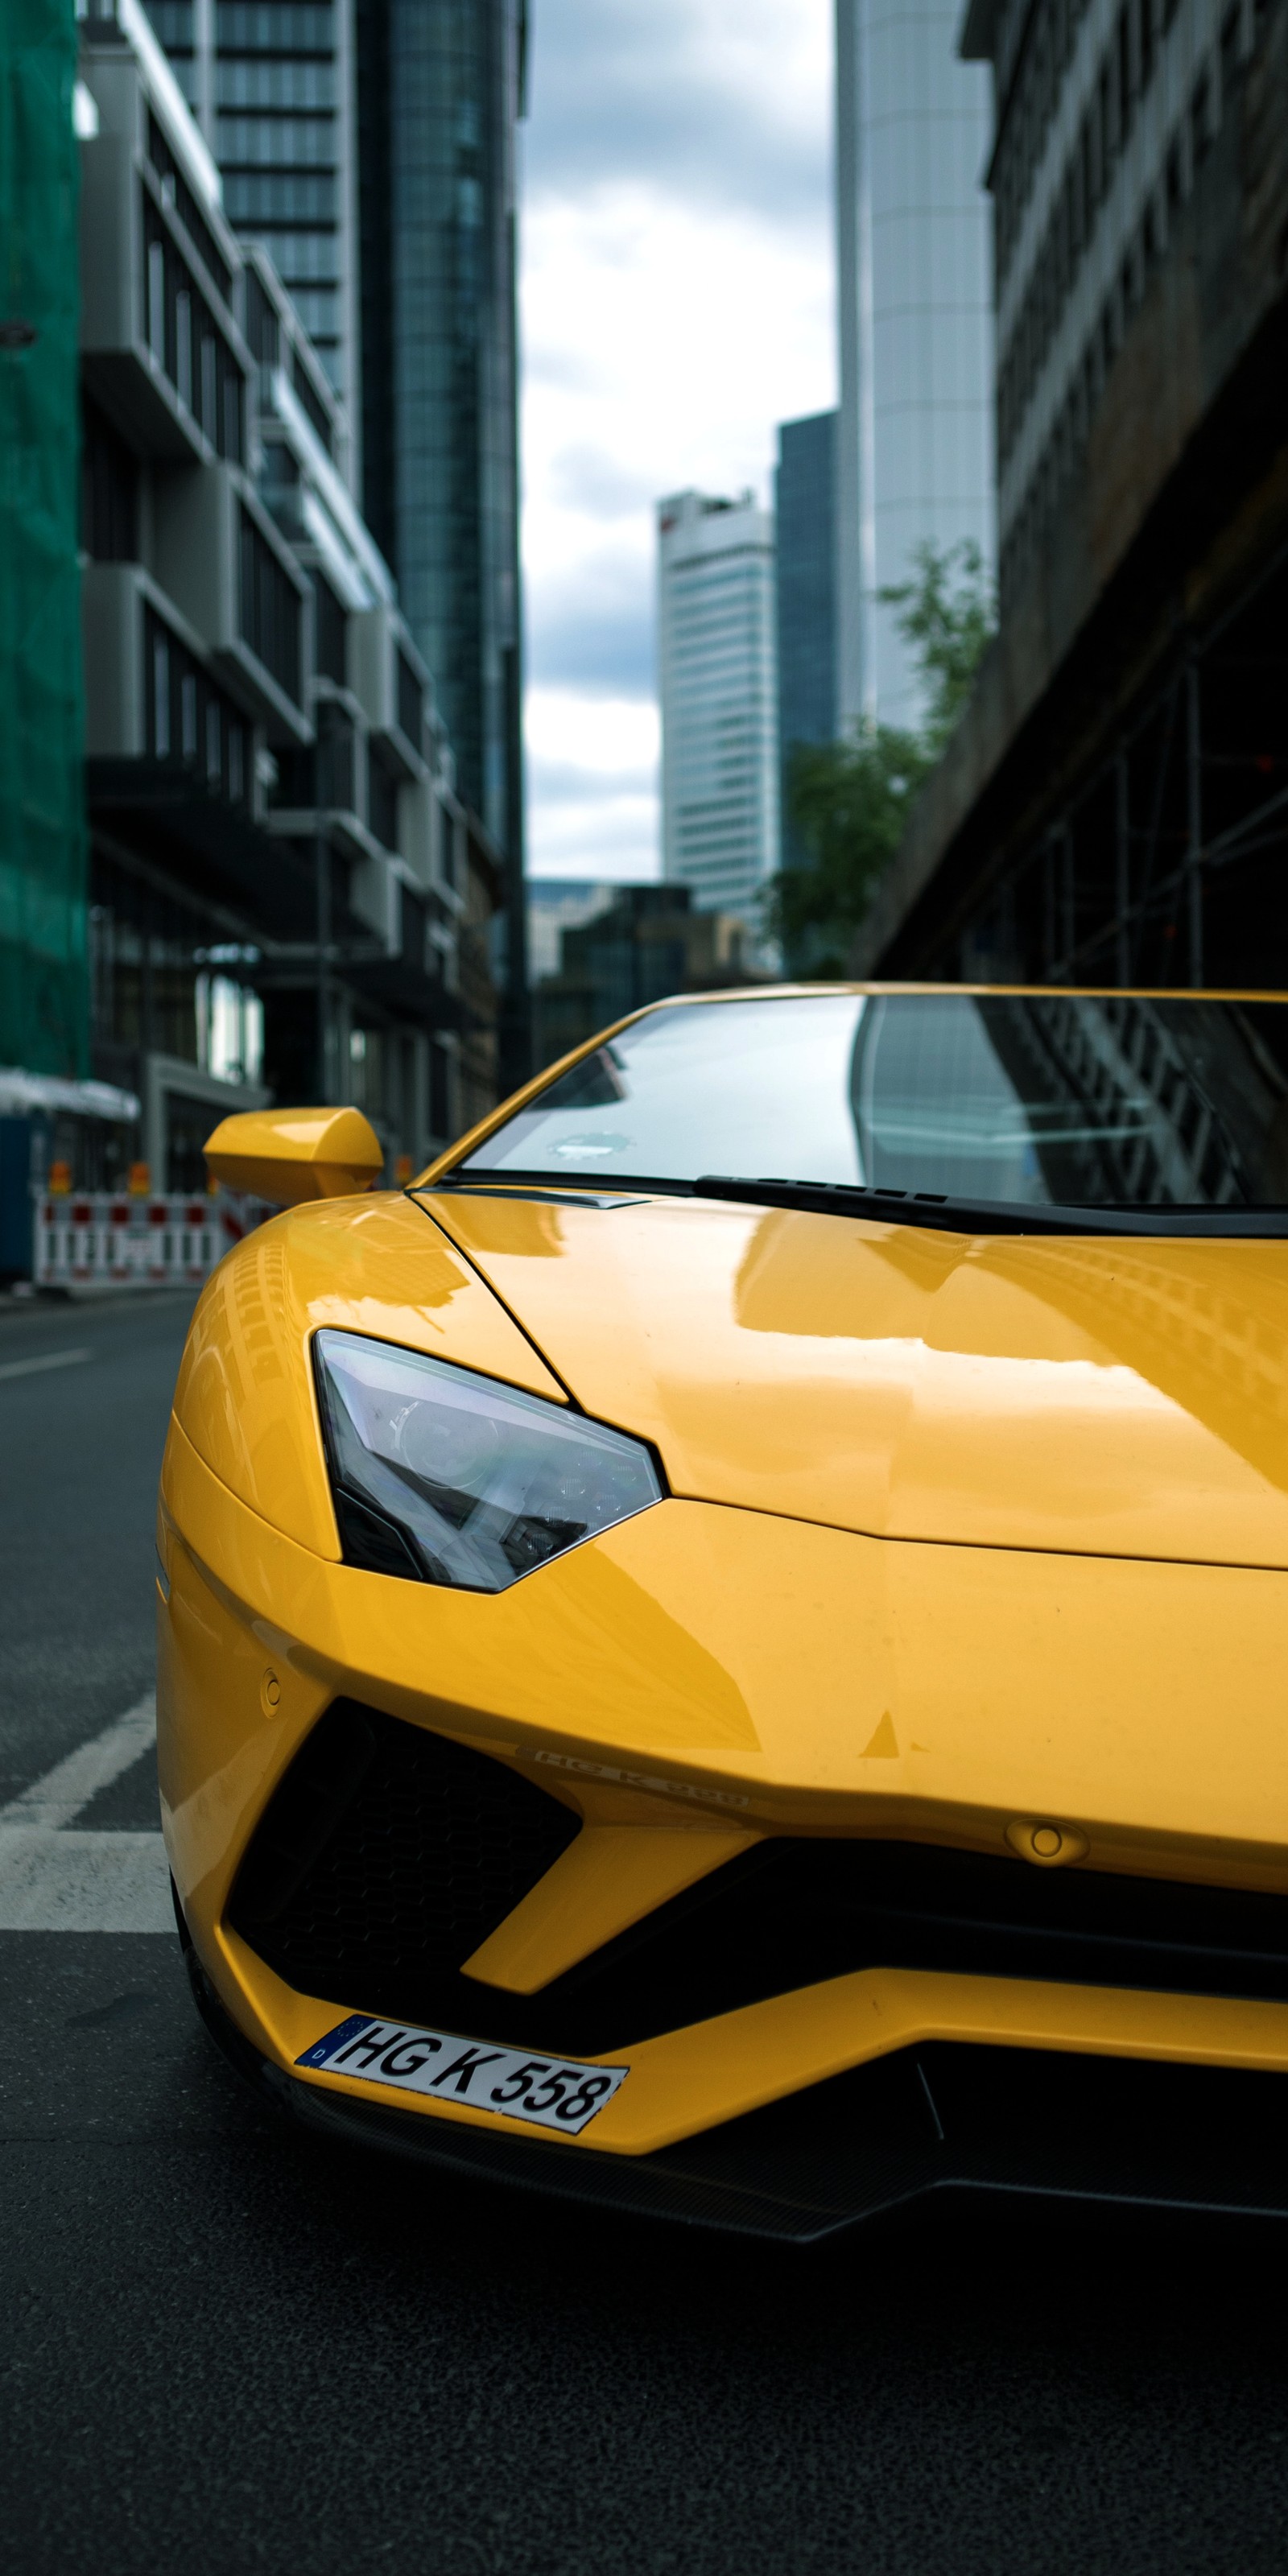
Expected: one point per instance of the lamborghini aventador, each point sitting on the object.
(725, 1651)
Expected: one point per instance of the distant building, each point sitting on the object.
(716, 624)
(620, 947)
(272, 89)
(915, 453)
(805, 515)
(1112, 807)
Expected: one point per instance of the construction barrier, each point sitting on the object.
(100, 1238)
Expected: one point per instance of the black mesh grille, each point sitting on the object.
(386, 1854)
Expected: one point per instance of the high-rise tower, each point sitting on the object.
(719, 710)
(915, 449)
(440, 92)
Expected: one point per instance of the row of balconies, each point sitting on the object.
(249, 636)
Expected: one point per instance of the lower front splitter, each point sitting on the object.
(944, 2118)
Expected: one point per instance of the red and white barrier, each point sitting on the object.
(101, 1239)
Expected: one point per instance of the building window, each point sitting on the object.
(109, 492)
(188, 715)
(183, 346)
(262, 328)
(330, 625)
(270, 609)
(180, 196)
(156, 301)
(310, 401)
(382, 804)
(160, 708)
(409, 703)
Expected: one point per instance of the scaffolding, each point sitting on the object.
(44, 1014)
(1164, 864)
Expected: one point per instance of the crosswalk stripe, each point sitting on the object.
(70, 1882)
(57, 1798)
(56, 1879)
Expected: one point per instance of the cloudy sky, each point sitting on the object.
(677, 304)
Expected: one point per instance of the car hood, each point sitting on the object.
(1107, 1397)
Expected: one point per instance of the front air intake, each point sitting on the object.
(386, 1855)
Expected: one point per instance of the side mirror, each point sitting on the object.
(285, 1155)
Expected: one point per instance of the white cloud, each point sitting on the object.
(677, 303)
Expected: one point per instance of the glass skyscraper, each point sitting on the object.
(719, 699)
(915, 453)
(440, 91)
(805, 515)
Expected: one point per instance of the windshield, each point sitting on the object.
(1046, 1099)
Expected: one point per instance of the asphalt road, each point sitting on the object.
(227, 2348)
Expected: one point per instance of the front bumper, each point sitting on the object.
(702, 1669)
(919, 2127)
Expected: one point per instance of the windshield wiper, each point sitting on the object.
(989, 1216)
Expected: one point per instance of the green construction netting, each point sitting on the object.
(44, 1018)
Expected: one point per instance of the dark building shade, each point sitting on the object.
(642, 943)
(440, 88)
(805, 502)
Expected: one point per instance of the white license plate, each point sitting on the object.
(552, 2092)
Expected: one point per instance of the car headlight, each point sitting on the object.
(445, 1477)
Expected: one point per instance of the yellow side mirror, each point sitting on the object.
(285, 1155)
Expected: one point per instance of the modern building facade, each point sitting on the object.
(915, 436)
(1112, 807)
(719, 695)
(606, 950)
(285, 890)
(805, 523)
(369, 146)
(271, 84)
(44, 1020)
(440, 93)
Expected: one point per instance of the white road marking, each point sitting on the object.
(56, 1880)
(48, 1360)
(69, 1882)
(57, 1799)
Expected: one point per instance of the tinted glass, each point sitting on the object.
(1050, 1098)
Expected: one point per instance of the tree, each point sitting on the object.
(848, 801)
(947, 619)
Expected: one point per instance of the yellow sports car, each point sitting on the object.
(726, 1651)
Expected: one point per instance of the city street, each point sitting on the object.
(225, 2347)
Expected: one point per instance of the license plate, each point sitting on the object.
(551, 2092)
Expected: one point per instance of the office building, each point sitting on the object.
(43, 994)
(287, 896)
(369, 145)
(606, 950)
(271, 85)
(805, 522)
(915, 436)
(1111, 807)
(440, 92)
(716, 620)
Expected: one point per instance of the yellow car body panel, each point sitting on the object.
(692, 2079)
(245, 1391)
(1106, 1396)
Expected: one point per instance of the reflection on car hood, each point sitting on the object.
(1102, 1396)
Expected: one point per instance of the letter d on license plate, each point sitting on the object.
(552, 2092)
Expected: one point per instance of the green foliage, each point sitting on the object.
(947, 621)
(847, 802)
